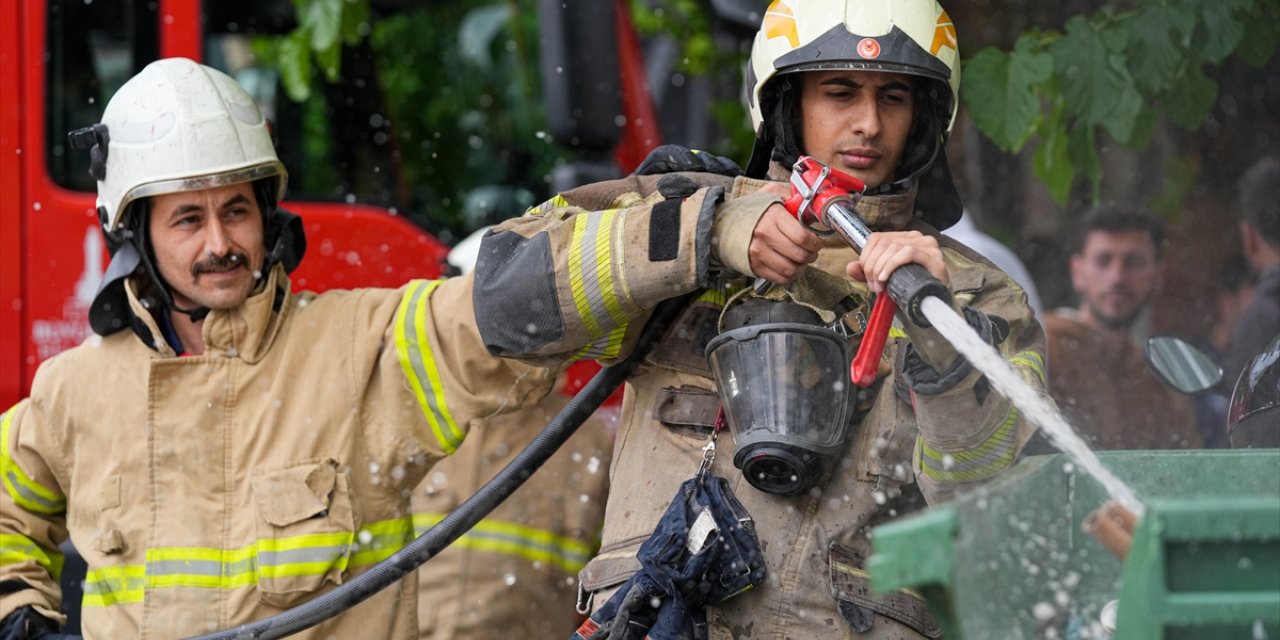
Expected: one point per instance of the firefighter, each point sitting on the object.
(224, 449)
(868, 87)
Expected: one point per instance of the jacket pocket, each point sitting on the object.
(305, 530)
(613, 565)
(688, 410)
(858, 606)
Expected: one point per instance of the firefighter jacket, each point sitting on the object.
(577, 276)
(513, 574)
(209, 491)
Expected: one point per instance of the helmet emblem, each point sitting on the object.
(944, 34)
(869, 48)
(780, 21)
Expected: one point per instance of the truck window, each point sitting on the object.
(93, 47)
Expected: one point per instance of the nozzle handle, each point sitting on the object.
(910, 284)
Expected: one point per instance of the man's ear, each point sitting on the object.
(1249, 240)
(1076, 264)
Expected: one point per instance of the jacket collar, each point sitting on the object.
(244, 332)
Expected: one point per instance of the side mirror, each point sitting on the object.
(1180, 365)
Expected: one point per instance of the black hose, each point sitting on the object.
(475, 508)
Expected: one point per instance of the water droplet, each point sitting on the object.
(364, 537)
(509, 579)
(1043, 611)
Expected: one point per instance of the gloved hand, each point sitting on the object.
(669, 158)
(27, 624)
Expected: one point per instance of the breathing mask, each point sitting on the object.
(783, 379)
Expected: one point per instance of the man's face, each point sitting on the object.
(857, 121)
(1115, 274)
(208, 245)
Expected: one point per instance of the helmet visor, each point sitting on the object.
(197, 183)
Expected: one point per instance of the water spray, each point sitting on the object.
(824, 199)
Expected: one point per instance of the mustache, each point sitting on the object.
(226, 262)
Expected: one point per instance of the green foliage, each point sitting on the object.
(1111, 72)
(324, 26)
(461, 84)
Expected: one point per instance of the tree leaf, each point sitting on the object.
(1052, 162)
(330, 61)
(1143, 128)
(1094, 83)
(355, 21)
(478, 30)
(1191, 97)
(1083, 149)
(1261, 32)
(1150, 56)
(999, 91)
(1120, 119)
(323, 20)
(1222, 28)
(295, 65)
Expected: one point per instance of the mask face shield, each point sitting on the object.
(786, 394)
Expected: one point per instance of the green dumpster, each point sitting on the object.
(1010, 560)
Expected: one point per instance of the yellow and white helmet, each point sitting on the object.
(177, 126)
(913, 37)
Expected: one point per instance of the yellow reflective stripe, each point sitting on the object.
(717, 297)
(555, 202)
(18, 549)
(860, 573)
(591, 275)
(603, 349)
(1030, 360)
(28, 493)
(376, 542)
(994, 454)
(499, 536)
(895, 332)
(418, 363)
(106, 586)
(213, 568)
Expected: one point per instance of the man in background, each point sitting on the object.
(1097, 372)
(1260, 237)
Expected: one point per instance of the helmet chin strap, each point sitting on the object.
(902, 184)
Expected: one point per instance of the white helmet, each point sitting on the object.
(914, 37)
(178, 126)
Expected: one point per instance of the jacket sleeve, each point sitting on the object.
(968, 432)
(32, 515)
(576, 277)
(431, 378)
